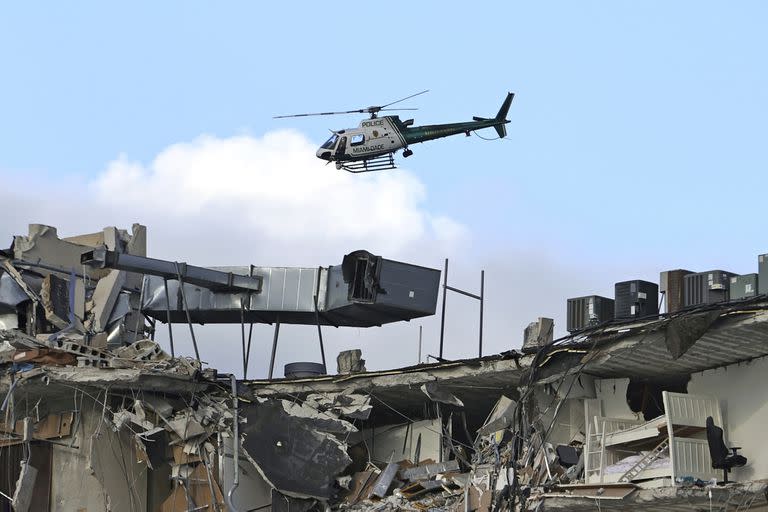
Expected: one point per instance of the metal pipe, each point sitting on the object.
(419, 360)
(274, 347)
(472, 295)
(442, 316)
(235, 447)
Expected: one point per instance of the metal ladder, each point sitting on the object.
(643, 463)
(595, 447)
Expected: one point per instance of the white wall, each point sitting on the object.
(570, 416)
(743, 393)
(391, 438)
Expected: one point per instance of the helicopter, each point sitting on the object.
(372, 145)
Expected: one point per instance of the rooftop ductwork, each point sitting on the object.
(364, 291)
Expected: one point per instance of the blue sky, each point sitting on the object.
(637, 135)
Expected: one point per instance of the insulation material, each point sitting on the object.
(436, 394)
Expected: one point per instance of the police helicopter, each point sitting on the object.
(372, 145)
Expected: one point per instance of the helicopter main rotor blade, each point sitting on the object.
(406, 98)
(358, 111)
(395, 109)
(368, 110)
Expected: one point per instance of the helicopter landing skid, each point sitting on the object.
(379, 163)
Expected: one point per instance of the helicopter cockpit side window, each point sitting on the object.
(357, 140)
(331, 142)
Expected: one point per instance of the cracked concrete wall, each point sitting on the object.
(100, 472)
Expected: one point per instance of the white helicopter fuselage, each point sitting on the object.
(372, 138)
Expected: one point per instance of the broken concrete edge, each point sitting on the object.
(412, 375)
(674, 497)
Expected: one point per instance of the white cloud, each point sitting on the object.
(275, 187)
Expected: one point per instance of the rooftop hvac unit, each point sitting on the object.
(762, 274)
(744, 287)
(588, 311)
(635, 299)
(671, 285)
(707, 287)
(303, 369)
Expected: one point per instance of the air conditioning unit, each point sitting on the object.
(762, 274)
(588, 311)
(635, 299)
(744, 287)
(707, 287)
(671, 285)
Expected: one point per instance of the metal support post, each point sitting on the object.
(482, 298)
(186, 310)
(320, 334)
(274, 348)
(442, 316)
(168, 316)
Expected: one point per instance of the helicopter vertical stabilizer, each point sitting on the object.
(501, 118)
(502, 115)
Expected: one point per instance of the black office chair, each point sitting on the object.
(719, 453)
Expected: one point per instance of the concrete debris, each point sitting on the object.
(22, 496)
(500, 418)
(383, 483)
(424, 471)
(539, 333)
(325, 420)
(350, 361)
(348, 404)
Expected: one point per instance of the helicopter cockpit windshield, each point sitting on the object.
(331, 142)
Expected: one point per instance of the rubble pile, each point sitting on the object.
(95, 415)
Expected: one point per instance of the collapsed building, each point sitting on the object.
(621, 414)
